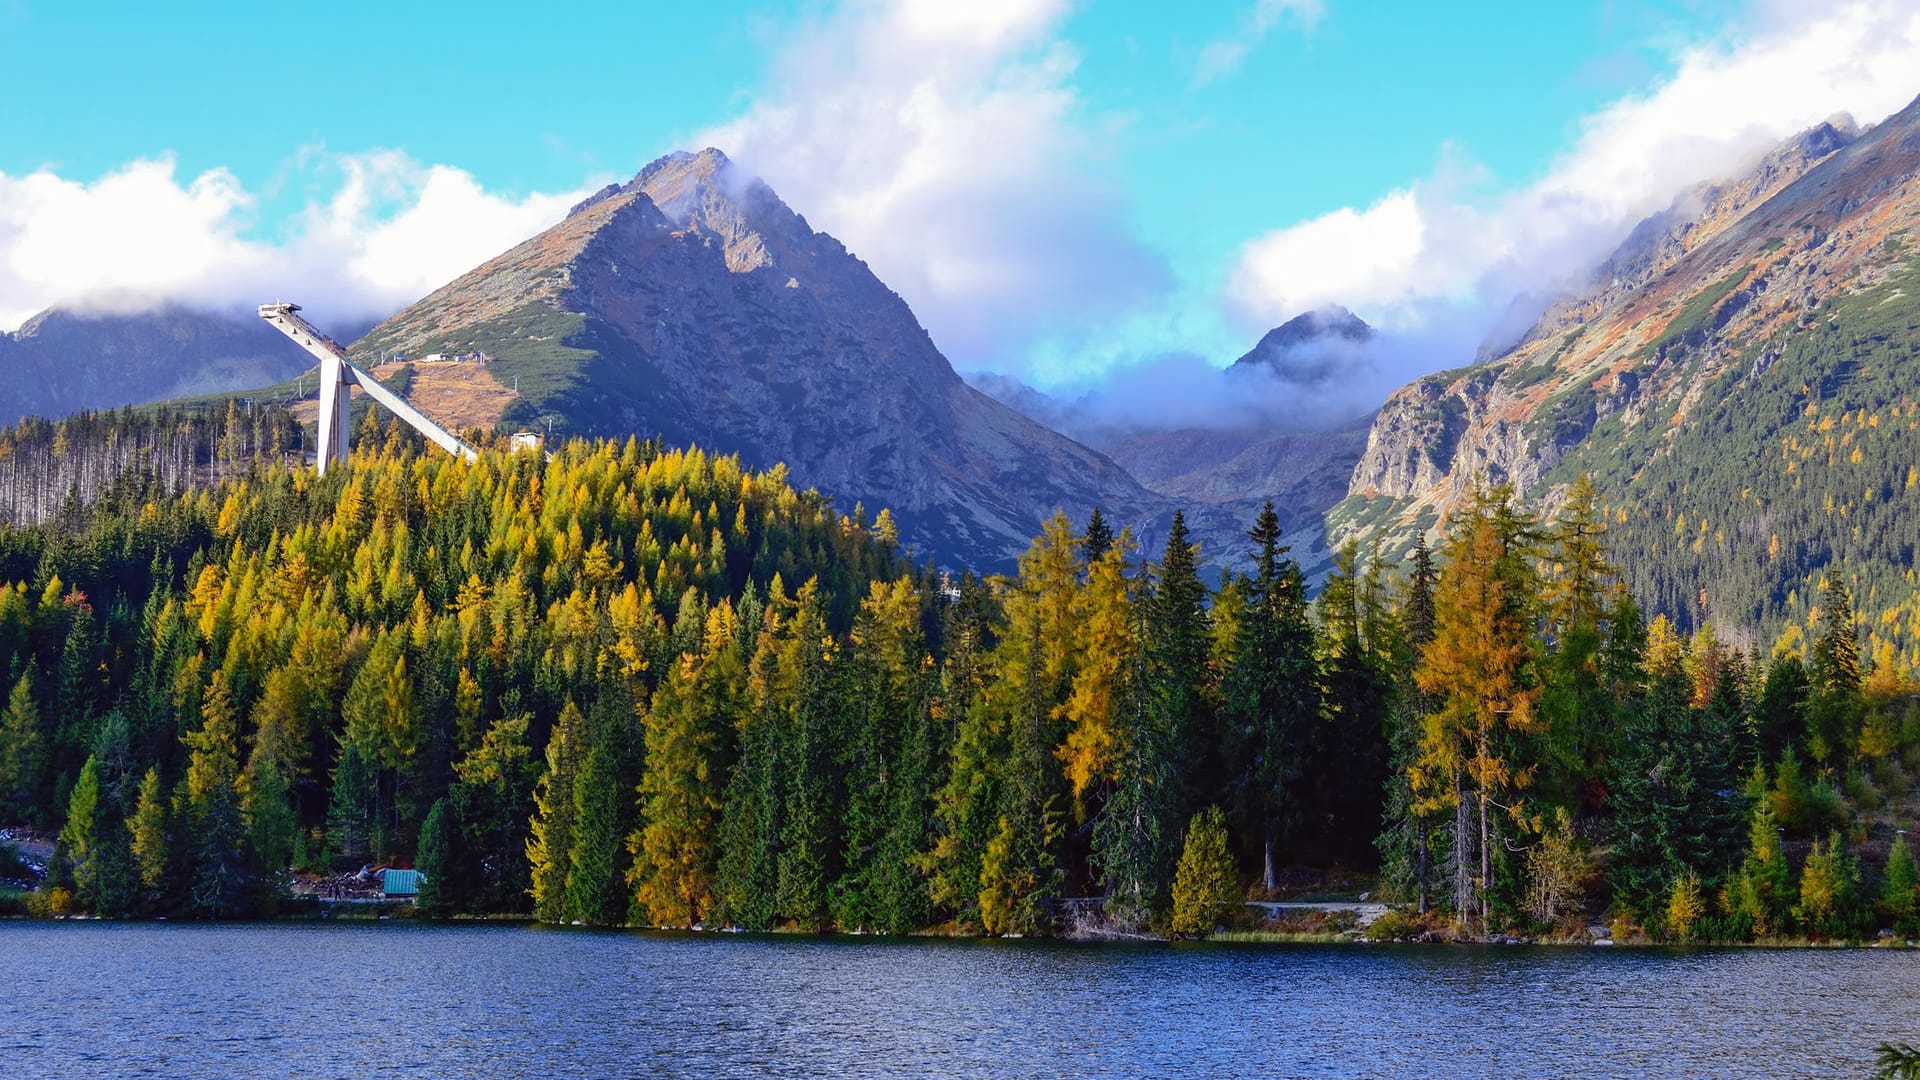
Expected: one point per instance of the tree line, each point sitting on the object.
(637, 685)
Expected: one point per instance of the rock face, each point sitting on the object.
(1699, 298)
(61, 362)
(694, 304)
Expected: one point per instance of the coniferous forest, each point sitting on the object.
(641, 685)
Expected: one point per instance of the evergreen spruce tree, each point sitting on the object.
(1130, 835)
(148, 839)
(674, 854)
(22, 753)
(1828, 883)
(1272, 693)
(1097, 540)
(1345, 759)
(223, 879)
(550, 845)
(1762, 889)
(806, 865)
(1900, 890)
(350, 807)
(436, 859)
(77, 843)
(1833, 712)
(1205, 889)
(748, 874)
(593, 896)
(1406, 836)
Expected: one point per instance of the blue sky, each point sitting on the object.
(1060, 188)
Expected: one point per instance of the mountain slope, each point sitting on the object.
(1744, 401)
(62, 362)
(694, 304)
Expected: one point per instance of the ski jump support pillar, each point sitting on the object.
(337, 373)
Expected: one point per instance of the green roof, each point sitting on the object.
(402, 882)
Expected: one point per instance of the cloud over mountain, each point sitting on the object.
(143, 235)
(947, 146)
(1446, 241)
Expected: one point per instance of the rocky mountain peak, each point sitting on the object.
(692, 303)
(1332, 323)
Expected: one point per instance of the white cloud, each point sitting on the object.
(1223, 56)
(1434, 244)
(142, 235)
(945, 144)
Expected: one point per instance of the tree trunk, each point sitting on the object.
(1462, 852)
(1267, 853)
(1486, 871)
(1420, 823)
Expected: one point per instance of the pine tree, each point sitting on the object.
(1828, 883)
(1833, 712)
(747, 875)
(1345, 759)
(1272, 692)
(550, 846)
(1900, 890)
(673, 868)
(1130, 835)
(22, 753)
(147, 836)
(1097, 540)
(1205, 889)
(436, 858)
(1762, 887)
(1177, 647)
(1575, 706)
(592, 890)
(223, 878)
(1406, 840)
(805, 867)
(491, 804)
(350, 806)
(1684, 907)
(77, 843)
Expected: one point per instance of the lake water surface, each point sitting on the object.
(383, 999)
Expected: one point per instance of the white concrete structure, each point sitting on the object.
(337, 373)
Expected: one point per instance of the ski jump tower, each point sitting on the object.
(337, 373)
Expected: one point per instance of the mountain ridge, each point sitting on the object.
(693, 303)
(1798, 297)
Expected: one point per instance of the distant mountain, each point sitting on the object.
(1740, 382)
(1280, 348)
(1224, 477)
(62, 362)
(694, 304)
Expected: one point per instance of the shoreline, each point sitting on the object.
(1227, 937)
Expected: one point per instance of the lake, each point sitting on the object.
(357, 999)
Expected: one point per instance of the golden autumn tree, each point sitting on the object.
(1478, 669)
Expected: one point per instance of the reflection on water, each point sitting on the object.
(105, 1000)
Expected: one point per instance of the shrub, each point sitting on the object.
(1392, 926)
(54, 903)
